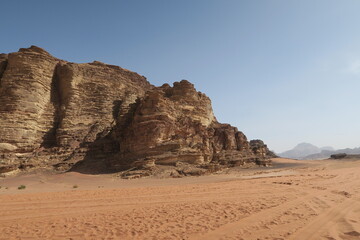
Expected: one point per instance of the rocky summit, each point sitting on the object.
(100, 118)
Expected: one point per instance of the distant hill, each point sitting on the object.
(326, 154)
(307, 151)
(300, 151)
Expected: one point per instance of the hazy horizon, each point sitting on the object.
(285, 72)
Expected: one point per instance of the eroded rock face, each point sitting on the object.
(26, 109)
(56, 114)
(177, 123)
(261, 149)
(50, 108)
(91, 97)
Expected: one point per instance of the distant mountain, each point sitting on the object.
(326, 154)
(300, 151)
(307, 151)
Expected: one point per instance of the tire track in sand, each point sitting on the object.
(320, 226)
(234, 228)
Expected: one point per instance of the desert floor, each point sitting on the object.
(292, 200)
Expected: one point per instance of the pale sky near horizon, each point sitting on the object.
(284, 71)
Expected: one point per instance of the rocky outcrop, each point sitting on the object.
(51, 108)
(260, 148)
(97, 116)
(26, 109)
(338, 155)
(170, 123)
(91, 96)
(177, 124)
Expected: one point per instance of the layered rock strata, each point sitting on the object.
(56, 114)
(177, 124)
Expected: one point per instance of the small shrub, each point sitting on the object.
(75, 186)
(21, 187)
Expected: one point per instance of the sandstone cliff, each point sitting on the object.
(96, 117)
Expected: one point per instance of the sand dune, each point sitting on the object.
(312, 200)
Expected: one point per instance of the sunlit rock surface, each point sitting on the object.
(96, 118)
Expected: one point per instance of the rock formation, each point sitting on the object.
(95, 116)
(338, 155)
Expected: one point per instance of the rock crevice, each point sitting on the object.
(3, 64)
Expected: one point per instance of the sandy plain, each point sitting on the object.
(291, 200)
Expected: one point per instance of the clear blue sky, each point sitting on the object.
(284, 71)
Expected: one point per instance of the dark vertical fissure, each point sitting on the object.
(49, 140)
(3, 65)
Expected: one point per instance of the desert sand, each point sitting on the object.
(292, 200)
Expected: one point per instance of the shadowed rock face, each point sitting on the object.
(56, 114)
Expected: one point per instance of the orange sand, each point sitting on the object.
(311, 200)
